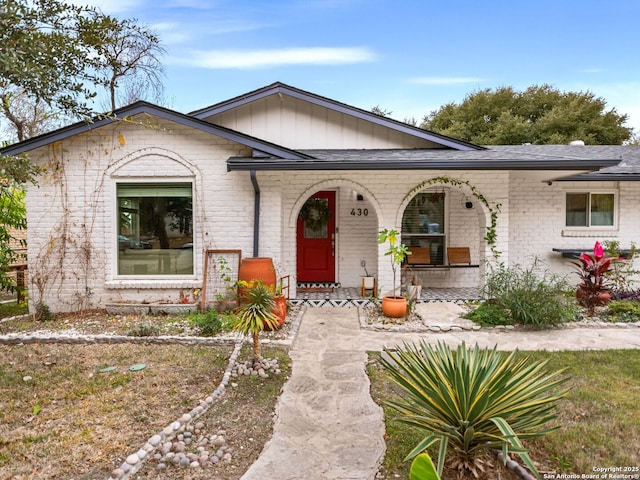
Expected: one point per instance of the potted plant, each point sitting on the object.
(256, 314)
(592, 270)
(394, 305)
(368, 281)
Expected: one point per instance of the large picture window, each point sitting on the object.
(584, 209)
(423, 224)
(155, 229)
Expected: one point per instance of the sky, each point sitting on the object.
(406, 57)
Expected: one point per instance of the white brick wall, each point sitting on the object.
(384, 197)
(537, 220)
(73, 210)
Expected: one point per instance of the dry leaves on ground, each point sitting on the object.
(61, 418)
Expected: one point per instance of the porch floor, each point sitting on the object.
(325, 295)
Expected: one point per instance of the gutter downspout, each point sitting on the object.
(256, 212)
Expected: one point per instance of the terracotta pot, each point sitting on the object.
(258, 268)
(280, 309)
(394, 307)
(604, 298)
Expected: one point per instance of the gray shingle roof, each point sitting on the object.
(612, 160)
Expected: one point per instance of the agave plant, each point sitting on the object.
(256, 314)
(472, 400)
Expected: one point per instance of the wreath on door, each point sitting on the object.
(315, 213)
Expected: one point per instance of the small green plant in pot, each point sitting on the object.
(394, 305)
(256, 314)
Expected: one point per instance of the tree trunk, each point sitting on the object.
(257, 355)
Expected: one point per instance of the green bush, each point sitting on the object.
(624, 310)
(489, 314)
(43, 313)
(471, 400)
(210, 322)
(530, 296)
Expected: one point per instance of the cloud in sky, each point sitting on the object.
(446, 80)
(111, 7)
(245, 59)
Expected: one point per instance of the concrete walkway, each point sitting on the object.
(327, 425)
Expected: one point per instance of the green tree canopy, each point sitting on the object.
(44, 46)
(539, 115)
(55, 57)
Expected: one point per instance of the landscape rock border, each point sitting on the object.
(159, 441)
(136, 461)
(419, 327)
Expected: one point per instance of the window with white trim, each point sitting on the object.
(155, 228)
(590, 209)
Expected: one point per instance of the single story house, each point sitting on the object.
(130, 204)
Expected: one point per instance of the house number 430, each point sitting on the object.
(360, 212)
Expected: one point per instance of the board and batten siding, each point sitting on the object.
(298, 124)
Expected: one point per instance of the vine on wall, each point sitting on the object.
(491, 235)
(67, 257)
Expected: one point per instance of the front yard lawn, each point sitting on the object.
(599, 420)
(63, 416)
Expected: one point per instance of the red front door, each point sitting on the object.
(316, 238)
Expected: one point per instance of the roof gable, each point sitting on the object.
(139, 108)
(421, 138)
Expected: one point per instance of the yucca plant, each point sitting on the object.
(422, 468)
(472, 400)
(256, 314)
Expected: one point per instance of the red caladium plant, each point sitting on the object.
(592, 270)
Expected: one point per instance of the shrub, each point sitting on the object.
(594, 270)
(489, 314)
(624, 310)
(622, 274)
(529, 296)
(208, 323)
(472, 400)
(43, 313)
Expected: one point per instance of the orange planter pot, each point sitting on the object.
(394, 307)
(257, 269)
(280, 309)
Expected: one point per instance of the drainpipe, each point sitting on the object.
(256, 212)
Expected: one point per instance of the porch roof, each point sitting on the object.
(523, 157)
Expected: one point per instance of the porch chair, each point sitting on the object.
(458, 255)
(419, 256)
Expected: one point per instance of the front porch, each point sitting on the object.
(334, 295)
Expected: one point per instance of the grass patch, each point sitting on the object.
(12, 309)
(60, 417)
(598, 420)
